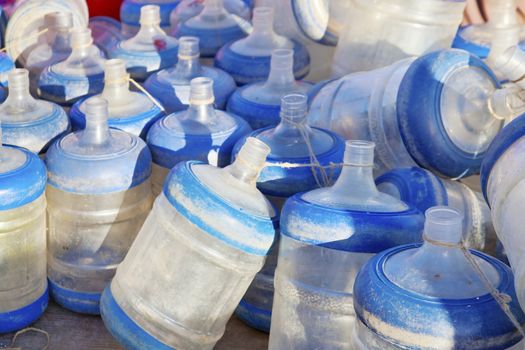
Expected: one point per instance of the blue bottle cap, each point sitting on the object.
(130, 11)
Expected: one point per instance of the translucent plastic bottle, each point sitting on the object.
(106, 32)
(432, 111)
(200, 133)
(130, 14)
(79, 75)
(187, 9)
(172, 86)
(99, 194)
(288, 145)
(248, 60)
(199, 250)
(129, 111)
(326, 236)
(431, 297)
(23, 291)
(214, 26)
(379, 33)
(259, 103)
(422, 189)
(28, 122)
(150, 50)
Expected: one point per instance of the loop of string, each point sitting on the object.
(36, 35)
(502, 299)
(26, 330)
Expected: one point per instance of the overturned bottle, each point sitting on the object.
(130, 14)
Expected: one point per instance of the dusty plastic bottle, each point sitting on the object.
(99, 194)
(204, 241)
(106, 32)
(214, 26)
(379, 33)
(288, 145)
(23, 291)
(431, 297)
(326, 236)
(200, 133)
(150, 50)
(248, 60)
(172, 86)
(422, 189)
(28, 122)
(129, 111)
(259, 103)
(79, 75)
(130, 14)
(187, 9)
(432, 111)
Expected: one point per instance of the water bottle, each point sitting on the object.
(431, 296)
(150, 50)
(79, 75)
(307, 149)
(172, 86)
(214, 26)
(432, 112)
(248, 59)
(200, 133)
(379, 33)
(199, 250)
(28, 122)
(23, 291)
(326, 236)
(129, 111)
(422, 189)
(130, 14)
(259, 103)
(106, 31)
(99, 194)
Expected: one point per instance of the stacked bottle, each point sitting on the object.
(259, 103)
(129, 111)
(326, 236)
(23, 292)
(99, 195)
(130, 14)
(187, 9)
(248, 60)
(431, 296)
(106, 31)
(172, 86)
(200, 133)
(186, 304)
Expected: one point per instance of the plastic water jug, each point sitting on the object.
(199, 250)
(106, 32)
(432, 111)
(431, 297)
(172, 86)
(326, 236)
(150, 50)
(28, 122)
(379, 33)
(130, 14)
(259, 103)
(79, 75)
(23, 291)
(291, 142)
(248, 60)
(99, 194)
(214, 26)
(129, 111)
(200, 133)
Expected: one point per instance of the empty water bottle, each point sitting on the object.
(326, 236)
(312, 153)
(23, 291)
(150, 49)
(259, 103)
(129, 111)
(106, 32)
(187, 9)
(432, 296)
(432, 111)
(28, 122)
(99, 195)
(130, 14)
(200, 133)
(199, 250)
(172, 86)
(79, 75)
(214, 26)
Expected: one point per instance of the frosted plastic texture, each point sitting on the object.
(187, 9)
(382, 32)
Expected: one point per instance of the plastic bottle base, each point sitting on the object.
(18, 319)
(254, 317)
(81, 302)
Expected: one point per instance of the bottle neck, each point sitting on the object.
(96, 133)
(203, 113)
(188, 67)
(19, 99)
(281, 79)
(116, 91)
(293, 129)
(150, 30)
(355, 180)
(58, 39)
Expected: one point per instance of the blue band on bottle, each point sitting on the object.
(16, 320)
(67, 89)
(253, 316)
(211, 39)
(81, 302)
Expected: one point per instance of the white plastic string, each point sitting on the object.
(25, 330)
(145, 92)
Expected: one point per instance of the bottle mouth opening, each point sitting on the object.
(263, 17)
(282, 58)
(254, 152)
(201, 91)
(443, 225)
(114, 69)
(359, 153)
(18, 78)
(96, 110)
(150, 14)
(81, 37)
(294, 107)
(188, 47)
(59, 20)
